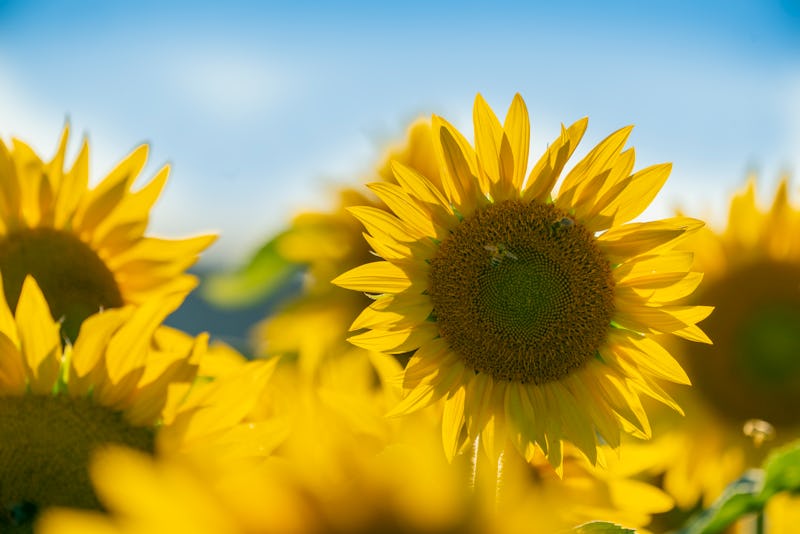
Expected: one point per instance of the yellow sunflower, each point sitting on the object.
(223, 415)
(339, 485)
(531, 315)
(585, 493)
(119, 379)
(85, 247)
(337, 489)
(746, 384)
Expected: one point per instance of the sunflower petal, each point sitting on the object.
(547, 170)
(38, 336)
(517, 127)
(374, 277)
(453, 422)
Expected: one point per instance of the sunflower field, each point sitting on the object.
(477, 334)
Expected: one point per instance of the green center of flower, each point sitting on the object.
(46, 442)
(522, 292)
(74, 280)
(753, 369)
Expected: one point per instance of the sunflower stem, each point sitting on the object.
(759, 523)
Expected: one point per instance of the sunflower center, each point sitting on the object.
(753, 369)
(522, 292)
(46, 444)
(74, 280)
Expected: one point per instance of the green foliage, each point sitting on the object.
(602, 527)
(750, 493)
(265, 273)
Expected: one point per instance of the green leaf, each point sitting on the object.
(750, 493)
(266, 272)
(782, 471)
(739, 498)
(602, 527)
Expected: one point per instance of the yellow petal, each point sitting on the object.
(453, 422)
(671, 261)
(458, 176)
(407, 209)
(39, 337)
(423, 190)
(13, 377)
(74, 185)
(661, 287)
(629, 198)
(623, 242)
(547, 170)
(382, 224)
(488, 135)
(9, 189)
(396, 341)
(103, 199)
(577, 427)
(600, 159)
(375, 277)
(127, 349)
(90, 348)
(133, 208)
(517, 127)
(398, 311)
(649, 355)
(427, 362)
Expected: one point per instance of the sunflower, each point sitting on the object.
(747, 382)
(223, 414)
(119, 379)
(585, 493)
(339, 489)
(531, 315)
(334, 473)
(86, 248)
(330, 243)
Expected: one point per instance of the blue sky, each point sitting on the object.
(262, 108)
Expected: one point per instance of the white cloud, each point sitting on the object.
(224, 84)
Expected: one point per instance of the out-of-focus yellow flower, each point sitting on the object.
(85, 247)
(782, 514)
(329, 244)
(222, 416)
(746, 384)
(329, 487)
(531, 316)
(57, 405)
(585, 493)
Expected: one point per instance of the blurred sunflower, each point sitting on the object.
(58, 404)
(530, 315)
(585, 493)
(86, 248)
(222, 415)
(746, 384)
(340, 488)
(330, 243)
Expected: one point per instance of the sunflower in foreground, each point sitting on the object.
(339, 488)
(85, 247)
(746, 384)
(57, 405)
(531, 315)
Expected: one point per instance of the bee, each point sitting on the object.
(499, 252)
(564, 222)
(560, 225)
